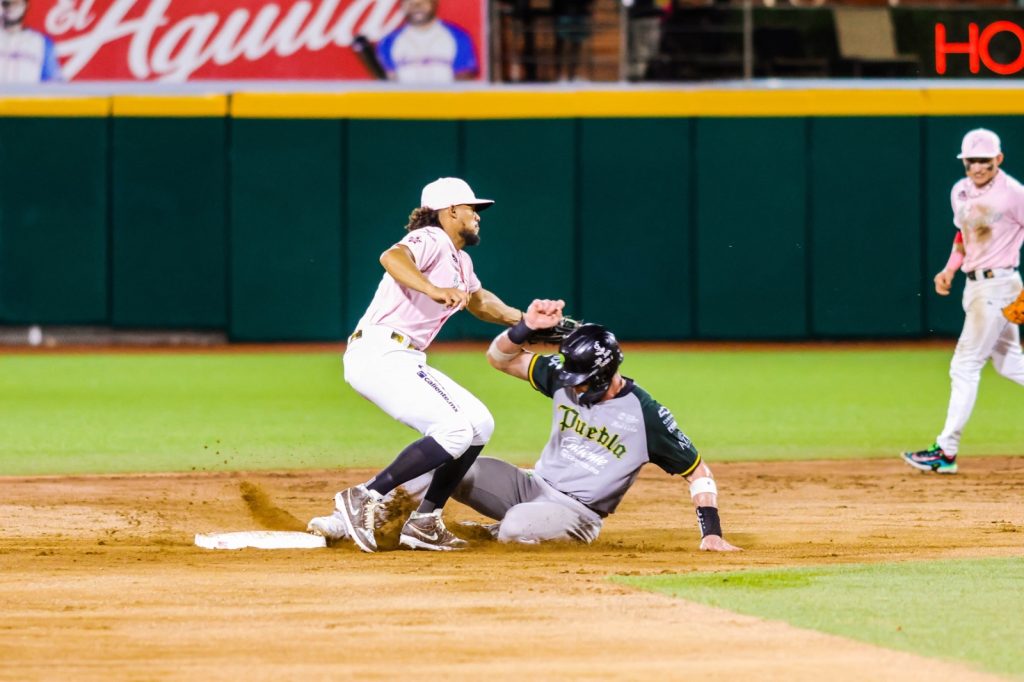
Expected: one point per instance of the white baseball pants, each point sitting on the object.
(987, 334)
(396, 378)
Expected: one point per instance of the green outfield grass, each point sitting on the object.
(177, 412)
(966, 610)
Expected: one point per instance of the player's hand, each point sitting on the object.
(544, 313)
(451, 298)
(943, 282)
(715, 543)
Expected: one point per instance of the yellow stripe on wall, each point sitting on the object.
(198, 106)
(627, 103)
(95, 107)
(977, 102)
(514, 103)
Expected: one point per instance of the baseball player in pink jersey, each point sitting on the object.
(988, 211)
(428, 278)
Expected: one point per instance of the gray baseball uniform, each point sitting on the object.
(591, 459)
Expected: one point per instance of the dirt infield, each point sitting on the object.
(100, 580)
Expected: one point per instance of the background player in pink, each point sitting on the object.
(428, 278)
(988, 211)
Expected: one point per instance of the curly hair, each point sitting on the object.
(421, 217)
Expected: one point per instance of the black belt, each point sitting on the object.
(358, 334)
(986, 274)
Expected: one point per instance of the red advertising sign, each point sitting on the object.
(188, 40)
(976, 48)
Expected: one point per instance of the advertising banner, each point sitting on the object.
(176, 41)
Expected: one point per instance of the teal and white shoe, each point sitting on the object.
(932, 459)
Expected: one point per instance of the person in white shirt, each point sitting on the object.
(26, 56)
(426, 49)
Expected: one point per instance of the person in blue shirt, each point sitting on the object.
(426, 49)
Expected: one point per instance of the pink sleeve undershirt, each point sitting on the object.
(956, 259)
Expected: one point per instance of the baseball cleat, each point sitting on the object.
(490, 529)
(932, 459)
(358, 510)
(331, 528)
(427, 531)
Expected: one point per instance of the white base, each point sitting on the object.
(261, 539)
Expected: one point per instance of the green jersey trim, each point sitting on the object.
(543, 373)
(667, 445)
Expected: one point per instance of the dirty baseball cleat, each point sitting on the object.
(932, 459)
(331, 528)
(427, 531)
(489, 529)
(358, 510)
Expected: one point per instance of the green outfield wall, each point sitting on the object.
(666, 214)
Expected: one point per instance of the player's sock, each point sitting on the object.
(417, 458)
(446, 478)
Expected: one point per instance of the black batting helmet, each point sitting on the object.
(592, 356)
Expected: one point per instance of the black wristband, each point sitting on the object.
(519, 332)
(709, 522)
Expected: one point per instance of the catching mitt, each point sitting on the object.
(1015, 311)
(554, 335)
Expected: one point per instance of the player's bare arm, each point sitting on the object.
(704, 493)
(506, 354)
(944, 279)
(399, 263)
(485, 305)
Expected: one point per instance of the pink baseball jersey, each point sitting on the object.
(991, 219)
(414, 314)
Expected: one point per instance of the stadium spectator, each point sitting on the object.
(26, 56)
(573, 26)
(645, 17)
(426, 49)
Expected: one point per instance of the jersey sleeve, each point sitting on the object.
(423, 246)
(1017, 211)
(473, 285)
(667, 445)
(543, 373)
(952, 202)
(384, 50)
(472, 281)
(51, 68)
(465, 54)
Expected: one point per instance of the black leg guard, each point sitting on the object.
(446, 478)
(417, 458)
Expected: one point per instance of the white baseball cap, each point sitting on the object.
(980, 144)
(445, 192)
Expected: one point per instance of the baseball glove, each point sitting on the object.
(554, 335)
(1015, 311)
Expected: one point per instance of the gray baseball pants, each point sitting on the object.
(529, 509)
